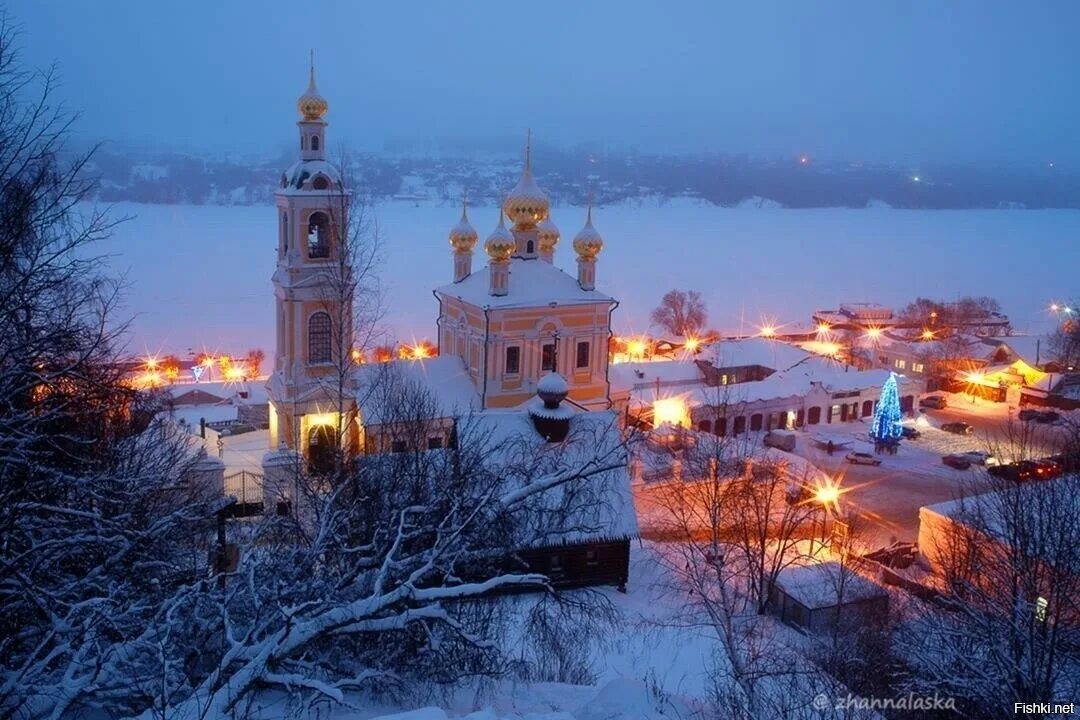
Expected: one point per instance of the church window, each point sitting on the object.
(318, 235)
(513, 360)
(320, 182)
(284, 232)
(319, 338)
(301, 142)
(547, 357)
(315, 142)
(583, 354)
(529, 247)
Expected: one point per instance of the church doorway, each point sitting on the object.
(321, 447)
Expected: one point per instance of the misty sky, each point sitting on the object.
(973, 82)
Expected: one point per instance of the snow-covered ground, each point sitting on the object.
(200, 275)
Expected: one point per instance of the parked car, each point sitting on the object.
(861, 458)
(1069, 462)
(934, 402)
(1007, 471)
(960, 462)
(1047, 417)
(958, 428)
(1046, 469)
(980, 457)
(909, 433)
(1028, 414)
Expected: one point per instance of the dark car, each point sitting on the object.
(956, 461)
(1046, 417)
(909, 433)
(1008, 471)
(1069, 462)
(1046, 469)
(958, 428)
(1028, 414)
(934, 402)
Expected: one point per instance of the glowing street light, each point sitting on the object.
(823, 328)
(768, 331)
(873, 333)
(927, 334)
(692, 343)
(1054, 307)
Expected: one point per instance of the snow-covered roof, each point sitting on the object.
(522, 456)
(669, 373)
(774, 354)
(796, 382)
(303, 170)
(532, 283)
(246, 392)
(387, 392)
(826, 585)
(1032, 349)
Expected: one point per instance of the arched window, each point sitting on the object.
(867, 408)
(813, 417)
(529, 247)
(755, 422)
(319, 338)
(314, 142)
(704, 426)
(740, 425)
(320, 182)
(318, 235)
(301, 142)
(284, 232)
(720, 428)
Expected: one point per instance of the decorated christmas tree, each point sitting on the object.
(885, 428)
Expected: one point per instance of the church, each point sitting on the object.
(509, 323)
(522, 347)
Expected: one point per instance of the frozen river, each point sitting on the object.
(199, 276)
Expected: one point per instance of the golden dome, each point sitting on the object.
(463, 236)
(547, 234)
(500, 244)
(527, 204)
(312, 105)
(588, 243)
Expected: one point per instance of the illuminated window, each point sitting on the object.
(513, 360)
(916, 367)
(547, 357)
(900, 364)
(319, 338)
(583, 354)
(318, 235)
(1041, 605)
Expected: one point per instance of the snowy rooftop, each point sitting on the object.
(826, 585)
(532, 283)
(682, 372)
(796, 382)
(243, 391)
(773, 354)
(524, 456)
(1032, 349)
(389, 391)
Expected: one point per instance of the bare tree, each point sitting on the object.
(1005, 629)
(681, 312)
(735, 518)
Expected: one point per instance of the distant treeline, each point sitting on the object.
(572, 176)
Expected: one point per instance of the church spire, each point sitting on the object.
(312, 107)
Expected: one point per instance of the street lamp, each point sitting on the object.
(826, 496)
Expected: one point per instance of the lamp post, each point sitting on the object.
(826, 496)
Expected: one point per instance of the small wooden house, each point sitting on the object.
(814, 598)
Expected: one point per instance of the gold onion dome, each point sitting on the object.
(588, 243)
(527, 204)
(463, 236)
(312, 105)
(500, 244)
(547, 234)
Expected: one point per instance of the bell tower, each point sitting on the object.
(309, 408)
